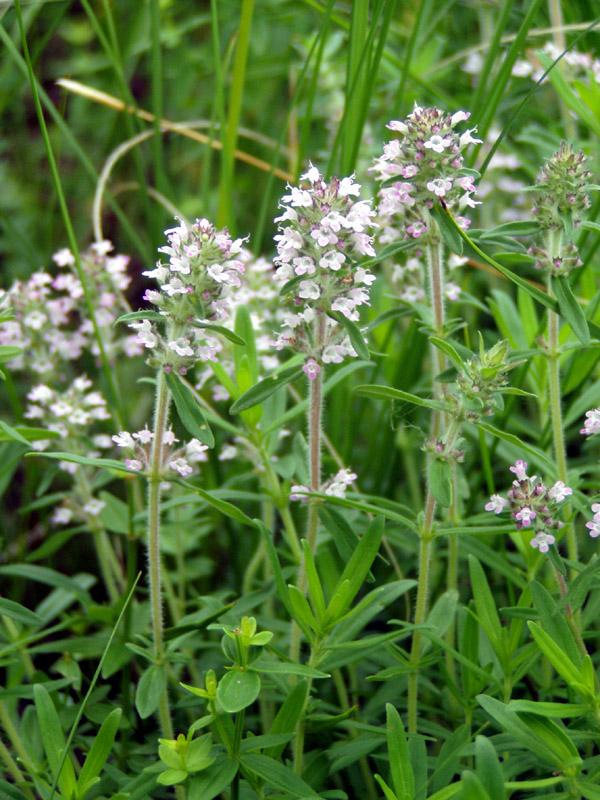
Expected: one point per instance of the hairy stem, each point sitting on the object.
(425, 552)
(554, 245)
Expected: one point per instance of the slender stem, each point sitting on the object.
(425, 552)
(161, 415)
(315, 409)
(435, 270)
(554, 245)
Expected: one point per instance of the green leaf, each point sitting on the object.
(189, 411)
(540, 457)
(446, 348)
(357, 568)
(25, 435)
(440, 481)
(278, 775)
(226, 508)
(171, 777)
(554, 710)
(403, 779)
(472, 788)
(115, 514)
(238, 689)
(99, 752)
(450, 236)
(526, 733)
(302, 610)
(314, 584)
(8, 351)
(570, 310)
(553, 622)
(265, 388)
(354, 334)
(555, 655)
(221, 330)
(287, 717)
(485, 605)
(19, 613)
(518, 228)
(48, 576)
(287, 668)
(344, 536)
(101, 463)
(53, 740)
(154, 316)
(213, 780)
(388, 393)
(245, 331)
(149, 690)
(488, 769)
(389, 795)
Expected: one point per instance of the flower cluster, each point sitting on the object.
(174, 458)
(561, 189)
(482, 379)
(532, 505)
(409, 276)
(71, 413)
(422, 167)
(49, 323)
(594, 525)
(323, 231)
(195, 286)
(335, 487)
(592, 422)
(68, 412)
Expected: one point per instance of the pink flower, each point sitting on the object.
(520, 469)
(497, 504)
(542, 541)
(311, 368)
(525, 515)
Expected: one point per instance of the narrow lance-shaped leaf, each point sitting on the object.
(189, 410)
(99, 752)
(451, 237)
(354, 334)
(570, 310)
(440, 482)
(53, 740)
(265, 388)
(389, 393)
(403, 779)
